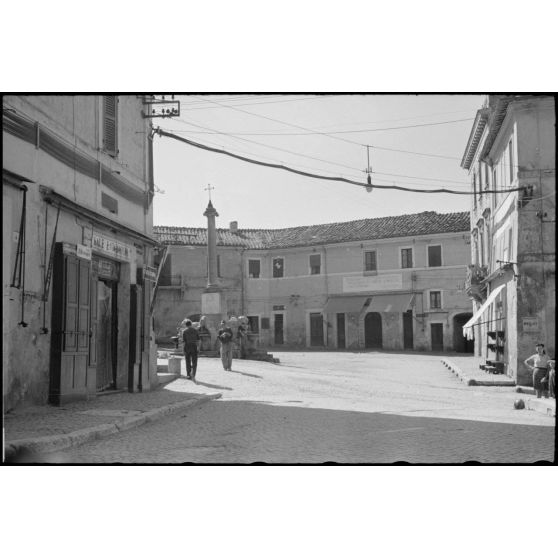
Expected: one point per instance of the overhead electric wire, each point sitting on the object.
(309, 156)
(322, 177)
(316, 133)
(253, 104)
(334, 137)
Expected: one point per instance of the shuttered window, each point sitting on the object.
(315, 264)
(370, 261)
(434, 256)
(110, 124)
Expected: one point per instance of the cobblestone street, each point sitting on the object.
(317, 407)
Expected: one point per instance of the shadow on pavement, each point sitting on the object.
(246, 374)
(245, 432)
(212, 386)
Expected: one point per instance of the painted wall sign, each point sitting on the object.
(111, 247)
(531, 324)
(83, 252)
(357, 284)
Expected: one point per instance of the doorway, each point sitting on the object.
(278, 329)
(106, 334)
(460, 343)
(373, 331)
(316, 330)
(437, 336)
(341, 344)
(408, 342)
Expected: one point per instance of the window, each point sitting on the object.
(370, 261)
(110, 203)
(218, 265)
(254, 269)
(278, 265)
(434, 256)
(110, 124)
(475, 189)
(486, 177)
(254, 324)
(435, 300)
(510, 160)
(315, 264)
(406, 257)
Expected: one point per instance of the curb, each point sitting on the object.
(470, 381)
(545, 406)
(48, 444)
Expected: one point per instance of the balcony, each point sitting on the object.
(474, 286)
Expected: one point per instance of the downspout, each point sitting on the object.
(326, 293)
(242, 281)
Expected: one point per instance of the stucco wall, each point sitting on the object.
(298, 291)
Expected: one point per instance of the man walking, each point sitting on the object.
(225, 336)
(191, 339)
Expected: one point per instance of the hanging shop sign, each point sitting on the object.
(531, 324)
(111, 247)
(106, 269)
(357, 284)
(83, 252)
(149, 273)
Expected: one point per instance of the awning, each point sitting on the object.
(344, 304)
(391, 303)
(467, 328)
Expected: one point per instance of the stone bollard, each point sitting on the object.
(174, 365)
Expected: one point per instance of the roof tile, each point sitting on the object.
(427, 222)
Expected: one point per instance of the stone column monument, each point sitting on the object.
(212, 303)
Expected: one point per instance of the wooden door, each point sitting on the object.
(341, 331)
(316, 330)
(278, 329)
(437, 336)
(408, 330)
(373, 331)
(69, 364)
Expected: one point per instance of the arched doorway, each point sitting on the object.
(373, 330)
(460, 343)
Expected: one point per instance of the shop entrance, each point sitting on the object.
(106, 334)
(460, 343)
(408, 330)
(373, 331)
(316, 329)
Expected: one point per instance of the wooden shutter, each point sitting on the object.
(110, 124)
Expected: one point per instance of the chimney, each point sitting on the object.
(233, 227)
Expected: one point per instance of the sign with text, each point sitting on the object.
(531, 324)
(392, 282)
(149, 273)
(111, 247)
(83, 252)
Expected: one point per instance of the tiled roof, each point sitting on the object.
(427, 222)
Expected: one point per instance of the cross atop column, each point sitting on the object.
(209, 188)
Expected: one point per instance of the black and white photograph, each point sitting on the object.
(279, 278)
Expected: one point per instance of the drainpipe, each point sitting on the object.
(242, 281)
(326, 293)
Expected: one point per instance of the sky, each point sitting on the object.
(291, 130)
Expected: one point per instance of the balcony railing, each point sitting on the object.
(474, 286)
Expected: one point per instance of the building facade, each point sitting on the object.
(512, 278)
(77, 247)
(393, 283)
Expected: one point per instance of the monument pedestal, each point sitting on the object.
(212, 305)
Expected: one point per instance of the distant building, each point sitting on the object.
(512, 145)
(389, 283)
(77, 246)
